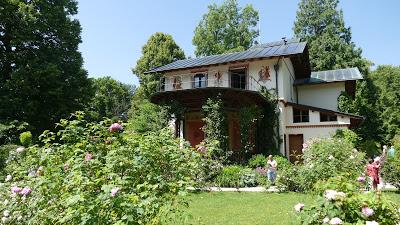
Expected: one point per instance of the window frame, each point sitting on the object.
(329, 117)
(200, 83)
(303, 115)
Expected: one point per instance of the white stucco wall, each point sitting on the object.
(312, 129)
(321, 95)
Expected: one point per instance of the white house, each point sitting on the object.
(307, 100)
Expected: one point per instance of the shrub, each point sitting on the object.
(25, 138)
(322, 160)
(348, 135)
(236, 176)
(391, 170)
(396, 140)
(9, 131)
(257, 161)
(348, 206)
(85, 174)
(371, 148)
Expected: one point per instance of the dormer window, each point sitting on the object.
(200, 80)
(300, 116)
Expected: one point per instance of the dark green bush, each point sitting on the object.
(25, 138)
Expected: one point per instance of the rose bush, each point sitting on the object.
(343, 203)
(87, 174)
(321, 160)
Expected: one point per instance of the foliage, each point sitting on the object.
(111, 99)
(236, 176)
(266, 132)
(209, 165)
(25, 138)
(371, 148)
(321, 160)
(321, 24)
(391, 170)
(257, 161)
(349, 206)
(88, 174)
(345, 103)
(159, 50)
(148, 117)
(248, 118)
(42, 79)
(387, 81)
(9, 131)
(347, 135)
(396, 140)
(4, 152)
(226, 28)
(216, 126)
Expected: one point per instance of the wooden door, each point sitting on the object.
(194, 132)
(295, 147)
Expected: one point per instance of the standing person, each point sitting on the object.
(391, 151)
(373, 169)
(272, 166)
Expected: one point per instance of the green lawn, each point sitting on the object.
(227, 208)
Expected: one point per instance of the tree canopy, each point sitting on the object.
(42, 79)
(112, 98)
(321, 24)
(159, 50)
(226, 28)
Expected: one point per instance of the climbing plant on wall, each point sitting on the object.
(266, 132)
(248, 119)
(216, 125)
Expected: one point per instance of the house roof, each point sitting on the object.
(268, 50)
(331, 76)
(322, 110)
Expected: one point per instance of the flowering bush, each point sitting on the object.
(86, 174)
(349, 206)
(321, 160)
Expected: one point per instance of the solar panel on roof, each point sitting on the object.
(293, 46)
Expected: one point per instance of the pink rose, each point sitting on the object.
(20, 149)
(26, 191)
(88, 157)
(16, 189)
(115, 127)
(114, 191)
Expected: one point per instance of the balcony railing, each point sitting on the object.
(176, 84)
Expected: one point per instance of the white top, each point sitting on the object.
(272, 165)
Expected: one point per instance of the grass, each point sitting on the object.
(233, 208)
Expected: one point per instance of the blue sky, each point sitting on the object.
(113, 32)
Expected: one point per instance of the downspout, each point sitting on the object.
(276, 68)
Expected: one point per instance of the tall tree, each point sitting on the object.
(321, 24)
(226, 28)
(41, 71)
(387, 81)
(111, 99)
(159, 50)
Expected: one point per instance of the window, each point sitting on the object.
(199, 80)
(238, 78)
(300, 116)
(323, 117)
(162, 84)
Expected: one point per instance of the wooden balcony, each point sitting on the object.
(236, 93)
